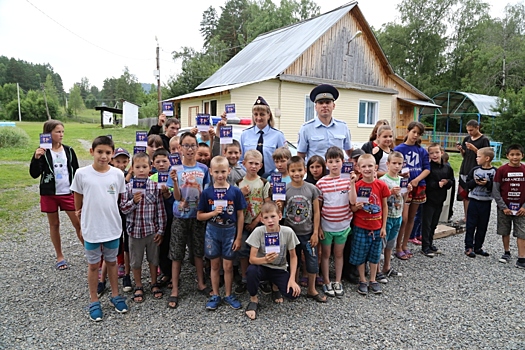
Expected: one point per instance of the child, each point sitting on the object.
(203, 154)
(232, 152)
(96, 189)
(56, 168)
(162, 163)
(187, 187)
(223, 230)
(416, 158)
(438, 182)
(395, 204)
(336, 195)
(382, 150)
(479, 183)
(370, 218)
(271, 266)
(280, 158)
(507, 190)
(315, 169)
(154, 143)
(145, 224)
(256, 192)
(303, 216)
(174, 144)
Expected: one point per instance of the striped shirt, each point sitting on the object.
(335, 213)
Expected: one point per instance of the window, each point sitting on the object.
(309, 109)
(210, 107)
(367, 113)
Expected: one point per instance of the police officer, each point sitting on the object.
(324, 131)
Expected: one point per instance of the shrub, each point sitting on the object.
(13, 137)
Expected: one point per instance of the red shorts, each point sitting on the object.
(417, 195)
(50, 204)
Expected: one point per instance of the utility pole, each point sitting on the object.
(45, 100)
(157, 73)
(18, 94)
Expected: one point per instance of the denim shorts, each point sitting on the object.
(392, 230)
(218, 241)
(94, 251)
(310, 253)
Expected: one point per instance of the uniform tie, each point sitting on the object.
(260, 149)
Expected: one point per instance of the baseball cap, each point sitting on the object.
(121, 152)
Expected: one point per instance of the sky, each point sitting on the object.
(97, 39)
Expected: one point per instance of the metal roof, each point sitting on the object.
(465, 103)
(270, 54)
(419, 102)
(211, 91)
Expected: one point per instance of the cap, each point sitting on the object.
(324, 92)
(358, 152)
(121, 152)
(261, 102)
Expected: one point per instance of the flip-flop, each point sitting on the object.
(252, 306)
(316, 297)
(62, 265)
(401, 255)
(205, 291)
(319, 281)
(276, 295)
(303, 282)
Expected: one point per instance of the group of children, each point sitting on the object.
(225, 213)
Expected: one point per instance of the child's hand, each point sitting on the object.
(280, 205)
(395, 190)
(321, 234)
(359, 205)
(507, 211)
(173, 175)
(296, 290)
(246, 190)
(78, 213)
(409, 188)
(314, 239)
(218, 210)
(157, 239)
(481, 182)
(164, 190)
(353, 177)
(414, 183)
(251, 226)
(137, 197)
(194, 130)
(237, 244)
(211, 132)
(182, 204)
(39, 153)
(270, 257)
(382, 233)
(443, 183)
(520, 212)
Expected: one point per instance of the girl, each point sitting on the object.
(315, 169)
(367, 147)
(154, 143)
(56, 168)
(416, 169)
(382, 150)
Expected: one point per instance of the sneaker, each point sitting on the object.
(427, 252)
(520, 265)
(95, 312)
(241, 288)
(393, 273)
(126, 283)
(381, 278)
(328, 290)
(481, 252)
(121, 271)
(375, 288)
(213, 303)
(338, 289)
(505, 258)
(415, 241)
(265, 287)
(119, 303)
(470, 253)
(435, 250)
(101, 288)
(233, 302)
(362, 288)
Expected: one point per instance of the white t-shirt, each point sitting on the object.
(100, 219)
(61, 172)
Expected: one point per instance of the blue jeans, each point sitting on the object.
(310, 253)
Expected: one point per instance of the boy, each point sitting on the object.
(162, 163)
(370, 218)
(395, 204)
(145, 224)
(187, 187)
(256, 192)
(438, 182)
(280, 158)
(203, 154)
(508, 191)
(271, 266)
(223, 230)
(479, 183)
(232, 152)
(303, 216)
(336, 195)
(96, 190)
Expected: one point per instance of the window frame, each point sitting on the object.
(376, 113)
(307, 104)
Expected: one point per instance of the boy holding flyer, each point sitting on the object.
(269, 245)
(508, 191)
(222, 206)
(370, 219)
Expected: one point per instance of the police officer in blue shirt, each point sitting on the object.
(262, 136)
(324, 131)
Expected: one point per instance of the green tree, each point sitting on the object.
(508, 126)
(76, 104)
(51, 91)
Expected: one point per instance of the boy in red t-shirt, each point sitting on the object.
(370, 217)
(508, 191)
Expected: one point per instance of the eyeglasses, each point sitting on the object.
(189, 146)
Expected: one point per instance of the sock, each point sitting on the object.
(521, 260)
(507, 252)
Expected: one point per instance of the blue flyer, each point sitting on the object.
(141, 138)
(279, 191)
(403, 183)
(45, 141)
(363, 194)
(276, 177)
(271, 243)
(220, 197)
(138, 149)
(203, 122)
(176, 162)
(226, 135)
(347, 168)
(514, 207)
(163, 177)
(138, 185)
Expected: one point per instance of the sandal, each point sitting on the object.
(163, 281)
(303, 282)
(206, 291)
(137, 295)
(408, 253)
(276, 295)
(156, 291)
(317, 298)
(62, 265)
(319, 281)
(401, 255)
(173, 299)
(252, 306)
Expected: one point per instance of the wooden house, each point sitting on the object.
(283, 66)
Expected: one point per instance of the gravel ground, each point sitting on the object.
(448, 302)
